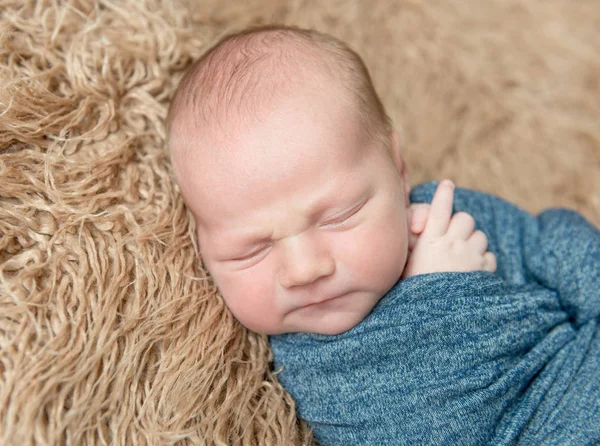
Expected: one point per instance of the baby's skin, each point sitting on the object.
(444, 242)
(303, 216)
(300, 194)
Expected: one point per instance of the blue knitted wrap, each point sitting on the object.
(467, 358)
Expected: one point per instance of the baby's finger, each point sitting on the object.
(461, 227)
(478, 242)
(490, 262)
(440, 211)
(418, 217)
(412, 240)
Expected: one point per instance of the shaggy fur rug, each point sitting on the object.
(110, 330)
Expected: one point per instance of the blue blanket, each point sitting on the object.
(467, 358)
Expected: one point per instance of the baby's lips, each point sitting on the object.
(320, 301)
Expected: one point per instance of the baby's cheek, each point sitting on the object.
(249, 296)
(380, 254)
(366, 256)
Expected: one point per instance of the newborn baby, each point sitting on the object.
(387, 318)
(289, 164)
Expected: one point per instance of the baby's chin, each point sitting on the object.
(339, 328)
(329, 323)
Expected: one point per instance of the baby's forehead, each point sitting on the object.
(236, 85)
(282, 152)
(238, 79)
(220, 132)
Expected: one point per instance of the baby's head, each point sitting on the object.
(288, 162)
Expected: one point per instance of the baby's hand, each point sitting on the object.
(447, 242)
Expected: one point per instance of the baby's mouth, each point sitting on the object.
(324, 301)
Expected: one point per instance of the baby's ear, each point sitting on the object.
(400, 165)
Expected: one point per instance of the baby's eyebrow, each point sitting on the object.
(327, 206)
(318, 211)
(252, 237)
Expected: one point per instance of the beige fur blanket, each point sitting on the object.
(110, 331)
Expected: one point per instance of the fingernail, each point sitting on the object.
(448, 183)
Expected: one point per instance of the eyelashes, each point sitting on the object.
(252, 255)
(341, 220)
(336, 222)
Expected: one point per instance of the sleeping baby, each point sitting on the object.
(431, 316)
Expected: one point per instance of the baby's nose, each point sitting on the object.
(304, 261)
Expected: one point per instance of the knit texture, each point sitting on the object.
(111, 331)
(467, 358)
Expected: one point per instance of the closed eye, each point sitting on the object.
(253, 255)
(342, 219)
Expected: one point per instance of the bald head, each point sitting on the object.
(235, 83)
